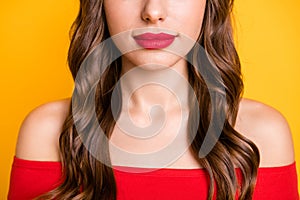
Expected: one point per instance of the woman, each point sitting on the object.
(247, 154)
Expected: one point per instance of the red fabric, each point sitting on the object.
(32, 178)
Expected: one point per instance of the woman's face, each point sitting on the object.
(150, 26)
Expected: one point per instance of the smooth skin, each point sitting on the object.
(266, 127)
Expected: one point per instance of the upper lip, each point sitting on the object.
(154, 36)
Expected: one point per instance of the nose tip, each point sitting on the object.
(154, 11)
(153, 19)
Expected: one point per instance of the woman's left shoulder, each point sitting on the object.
(269, 130)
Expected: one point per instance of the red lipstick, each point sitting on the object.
(154, 41)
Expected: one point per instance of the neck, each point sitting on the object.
(146, 86)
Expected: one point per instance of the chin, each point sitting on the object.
(151, 59)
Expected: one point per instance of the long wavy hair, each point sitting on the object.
(84, 177)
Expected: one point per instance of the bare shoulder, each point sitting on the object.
(39, 133)
(269, 130)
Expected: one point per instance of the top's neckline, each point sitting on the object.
(193, 171)
(132, 169)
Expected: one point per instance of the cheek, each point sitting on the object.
(117, 19)
(191, 19)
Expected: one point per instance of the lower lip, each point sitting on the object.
(155, 43)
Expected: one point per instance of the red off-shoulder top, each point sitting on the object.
(30, 179)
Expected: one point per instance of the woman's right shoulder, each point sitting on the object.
(38, 137)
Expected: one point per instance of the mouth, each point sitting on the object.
(154, 41)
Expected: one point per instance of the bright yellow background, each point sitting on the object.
(34, 43)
